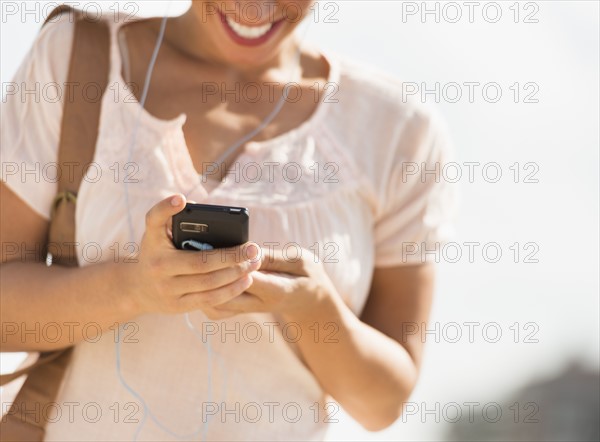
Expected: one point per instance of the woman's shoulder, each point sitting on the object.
(59, 28)
(54, 41)
(49, 57)
(386, 93)
(52, 46)
(375, 109)
(381, 124)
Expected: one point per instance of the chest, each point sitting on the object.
(222, 106)
(217, 129)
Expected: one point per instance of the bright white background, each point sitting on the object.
(559, 213)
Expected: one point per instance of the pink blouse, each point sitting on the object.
(342, 185)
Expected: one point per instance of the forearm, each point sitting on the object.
(368, 373)
(47, 308)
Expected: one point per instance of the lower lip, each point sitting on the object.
(250, 41)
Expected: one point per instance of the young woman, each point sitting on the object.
(325, 300)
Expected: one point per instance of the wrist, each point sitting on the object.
(328, 321)
(125, 290)
(324, 307)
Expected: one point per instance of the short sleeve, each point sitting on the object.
(418, 202)
(31, 114)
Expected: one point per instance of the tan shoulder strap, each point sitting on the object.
(88, 78)
(27, 416)
(87, 81)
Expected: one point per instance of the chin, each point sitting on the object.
(246, 59)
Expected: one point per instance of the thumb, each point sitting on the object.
(159, 216)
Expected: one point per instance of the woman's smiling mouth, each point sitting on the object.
(249, 35)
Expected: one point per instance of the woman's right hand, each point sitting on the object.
(167, 280)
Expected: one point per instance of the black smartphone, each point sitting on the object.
(206, 227)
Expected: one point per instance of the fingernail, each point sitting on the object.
(176, 201)
(251, 252)
(253, 264)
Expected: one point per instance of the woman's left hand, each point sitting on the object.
(291, 287)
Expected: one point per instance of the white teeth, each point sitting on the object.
(250, 32)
